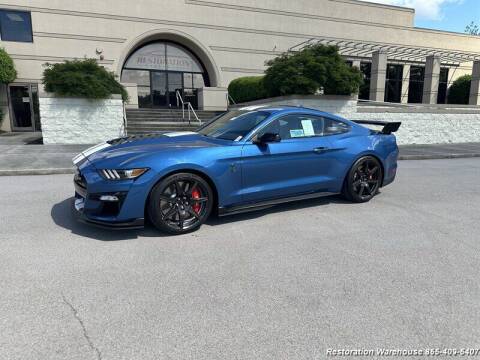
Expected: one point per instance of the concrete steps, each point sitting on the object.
(143, 121)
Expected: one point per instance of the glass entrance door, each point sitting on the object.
(164, 88)
(159, 89)
(21, 106)
(175, 83)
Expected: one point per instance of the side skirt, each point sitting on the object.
(232, 210)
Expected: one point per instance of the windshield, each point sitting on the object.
(234, 125)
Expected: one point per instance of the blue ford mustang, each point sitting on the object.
(242, 160)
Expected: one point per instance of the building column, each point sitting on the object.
(378, 76)
(405, 83)
(432, 79)
(475, 85)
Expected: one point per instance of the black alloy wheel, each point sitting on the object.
(180, 203)
(363, 180)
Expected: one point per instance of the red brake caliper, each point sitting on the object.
(196, 195)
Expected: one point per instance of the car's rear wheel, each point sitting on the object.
(363, 180)
(180, 203)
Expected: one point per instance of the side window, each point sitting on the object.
(333, 127)
(301, 126)
(296, 126)
(272, 128)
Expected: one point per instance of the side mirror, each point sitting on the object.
(267, 138)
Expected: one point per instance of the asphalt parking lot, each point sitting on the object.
(287, 283)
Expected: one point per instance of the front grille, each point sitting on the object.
(107, 208)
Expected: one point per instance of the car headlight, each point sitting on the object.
(115, 174)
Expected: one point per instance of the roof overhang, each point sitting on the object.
(398, 53)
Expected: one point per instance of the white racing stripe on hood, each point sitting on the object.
(92, 150)
(180, 133)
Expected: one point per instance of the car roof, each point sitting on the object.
(288, 109)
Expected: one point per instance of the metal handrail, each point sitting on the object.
(229, 97)
(125, 121)
(189, 108)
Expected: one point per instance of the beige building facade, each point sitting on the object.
(195, 48)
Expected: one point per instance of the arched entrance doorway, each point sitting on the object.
(161, 69)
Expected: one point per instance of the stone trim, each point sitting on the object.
(243, 70)
(47, 95)
(54, 58)
(246, 51)
(78, 37)
(378, 5)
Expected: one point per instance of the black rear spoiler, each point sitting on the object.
(388, 127)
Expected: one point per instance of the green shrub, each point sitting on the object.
(7, 68)
(82, 78)
(309, 70)
(459, 92)
(247, 88)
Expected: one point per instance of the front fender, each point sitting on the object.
(222, 167)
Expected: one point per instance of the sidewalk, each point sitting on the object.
(38, 159)
(57, 159)
(439, 151)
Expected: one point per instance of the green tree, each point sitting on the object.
(472, 29)
(248, 88)
(7, 68)
(7, 72)
(82, 78)
(312, 69)
(459, 92)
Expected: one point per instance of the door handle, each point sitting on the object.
(320, 150)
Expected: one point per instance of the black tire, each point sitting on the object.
(363, 180)
(180, 203)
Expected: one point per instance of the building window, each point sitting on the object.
(442, 86)
(161, 69)
(366, 70)
(16, 26)
(393, 83)
(415, 88)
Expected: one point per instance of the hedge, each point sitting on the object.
(459, 92)
(247, 88)
(82, 78)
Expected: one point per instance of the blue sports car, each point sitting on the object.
(242, 160)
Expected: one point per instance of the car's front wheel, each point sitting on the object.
(363, 180)
(180, 203)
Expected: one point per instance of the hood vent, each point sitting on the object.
(129, 139)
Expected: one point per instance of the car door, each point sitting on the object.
(297, 164)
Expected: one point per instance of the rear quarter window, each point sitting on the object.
(334, 127)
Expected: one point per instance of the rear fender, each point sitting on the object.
(384, 148)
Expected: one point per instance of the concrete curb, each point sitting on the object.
(36, 172)
(437, 156)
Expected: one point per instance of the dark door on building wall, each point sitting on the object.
(164, 88)
(159, 89)
(175, 83)
(24, 107)
(415, 88)
(393, 83)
